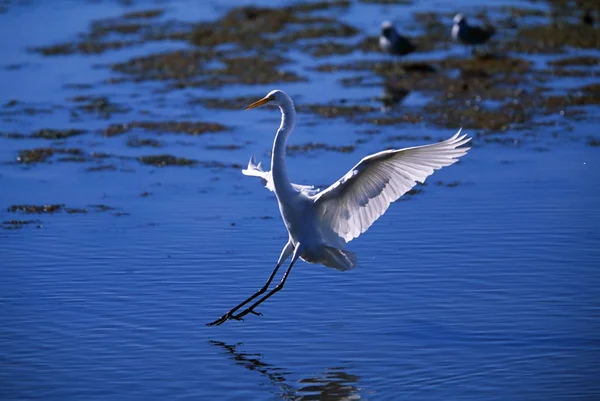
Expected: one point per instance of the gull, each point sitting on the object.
(470, 35)
(390, 41)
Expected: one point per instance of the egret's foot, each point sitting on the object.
(243, 313)
(222, 319)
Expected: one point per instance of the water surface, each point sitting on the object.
(481, 286)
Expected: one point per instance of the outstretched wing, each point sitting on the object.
(256, 170)
(349, 206)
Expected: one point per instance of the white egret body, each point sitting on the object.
(320, 223)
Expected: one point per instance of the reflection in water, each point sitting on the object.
(334, 385)
(393, 93)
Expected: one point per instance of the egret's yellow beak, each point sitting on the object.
(260, 102)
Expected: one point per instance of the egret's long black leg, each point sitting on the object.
(274, 290)
(287, 249)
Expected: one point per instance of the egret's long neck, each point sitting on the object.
(278, 166)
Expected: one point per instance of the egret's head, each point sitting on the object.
(460, 19)
(387, 29)
(275, 97)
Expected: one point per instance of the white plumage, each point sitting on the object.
(320, 223)
(353, 203)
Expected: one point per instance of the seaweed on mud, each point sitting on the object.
(456, 114)
(406, 117)
(327, 29)
(170, 160)
(39, 155)
(74, 159)
(224, 147)
(75, 210)
(225, 103)
(166, 160)
(488, 65)
(326, 49)
(176, 127)
(100, 105)
(144, 14)
(36, 209)
(553, 37)
(115, 33)
(384, 68)
(242, 70)
(337, 110)
(46, 133)
(386, 2)
(89, 47)
(18, 224)
(251, 27)
(49, 133)
(185, 68)
(259, 30)
(101, 207)
(312, 146)
(174, 65)
(586, 61)
(135, 142)
(101, 167)
(450, 184)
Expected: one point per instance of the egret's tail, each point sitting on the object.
(339, 259)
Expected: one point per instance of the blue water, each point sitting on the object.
(483, 290)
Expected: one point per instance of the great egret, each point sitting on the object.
(390, 41)
(470, 35)
(320, 223)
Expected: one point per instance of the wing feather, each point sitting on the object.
(256, 170)
(352, 204)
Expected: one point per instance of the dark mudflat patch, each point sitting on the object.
(386, 2)
(36, 209)
(450, 184)
(55, 208)
(75, 210)
(554, 37)
(410, 118)
(593, 142)
(327, 49)
(337, 110)
(170, 160)
(224, 147)
(18, 224)
(236, 103)
(101, 167)
(586, 61)
(98, 105)
(175, 127)
(313, 146)
(166, 160)
(135, 142)
(144, 14)
(101, 207)
(262, 33)
(40, 155)
(56, 133)
(46, 133)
